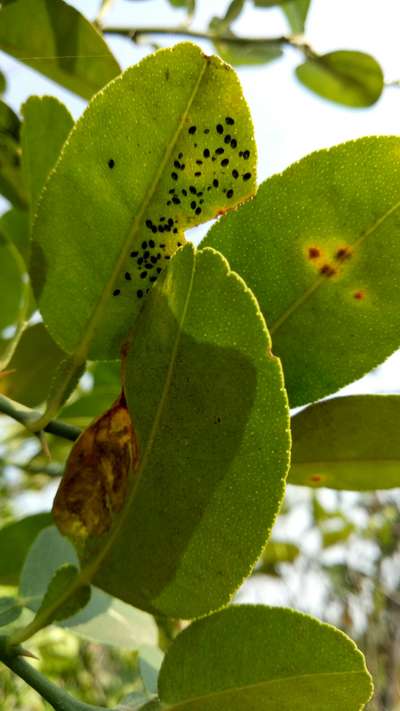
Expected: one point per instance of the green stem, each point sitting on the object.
(136, 32)
(25, 416)
(59, 699)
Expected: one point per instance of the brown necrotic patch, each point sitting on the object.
(343, 253)
(327, 270)
(314, 253)
(359, 295)
(95, 485)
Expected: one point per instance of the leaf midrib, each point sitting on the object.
(306, 295)
(87, 573)
(267, 683)
(94, 565)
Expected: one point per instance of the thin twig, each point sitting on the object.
(136, 32)
(59, 699)
(25, 416)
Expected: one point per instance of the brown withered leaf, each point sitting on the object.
(96, 478)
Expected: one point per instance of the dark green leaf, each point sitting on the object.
(108, 195)
(10, 610)
(204, 429)
(319, 246)
(15, 540)
(9, 122)
(32, 367)
(47, 124)
(15, 292)
(3, 83)
(90, 405)
(260, 658)
(346, 77)
(15, 227)
(57, 604)
(11, 180)
(56, 40)
(348, 443)
(15, 295)
(11, 287)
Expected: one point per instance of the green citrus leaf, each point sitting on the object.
(247, 53)
(56, 40)
(296, 12)
(348, 443)
(11, 180)
(264, 659)
(56, 605)
(15, 227)
(90, 405)
(178, 151)
(9, 122)
(346, 77)
(32, 367)
(240, 53)
(277, 552)
(11, 286)
(15, 296)
(104, 620)
(47, 124)
(234, 10)
(319, 246)
(10, 610)
(209, 458)
(268, 3)
(15, 539)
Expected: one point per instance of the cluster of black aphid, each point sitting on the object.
(149, 260)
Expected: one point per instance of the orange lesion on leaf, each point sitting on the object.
(343, 253)
(359, 295)
(314, 252)
(327, 270)
(316, 479)
(96, 480)
(328, 262)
